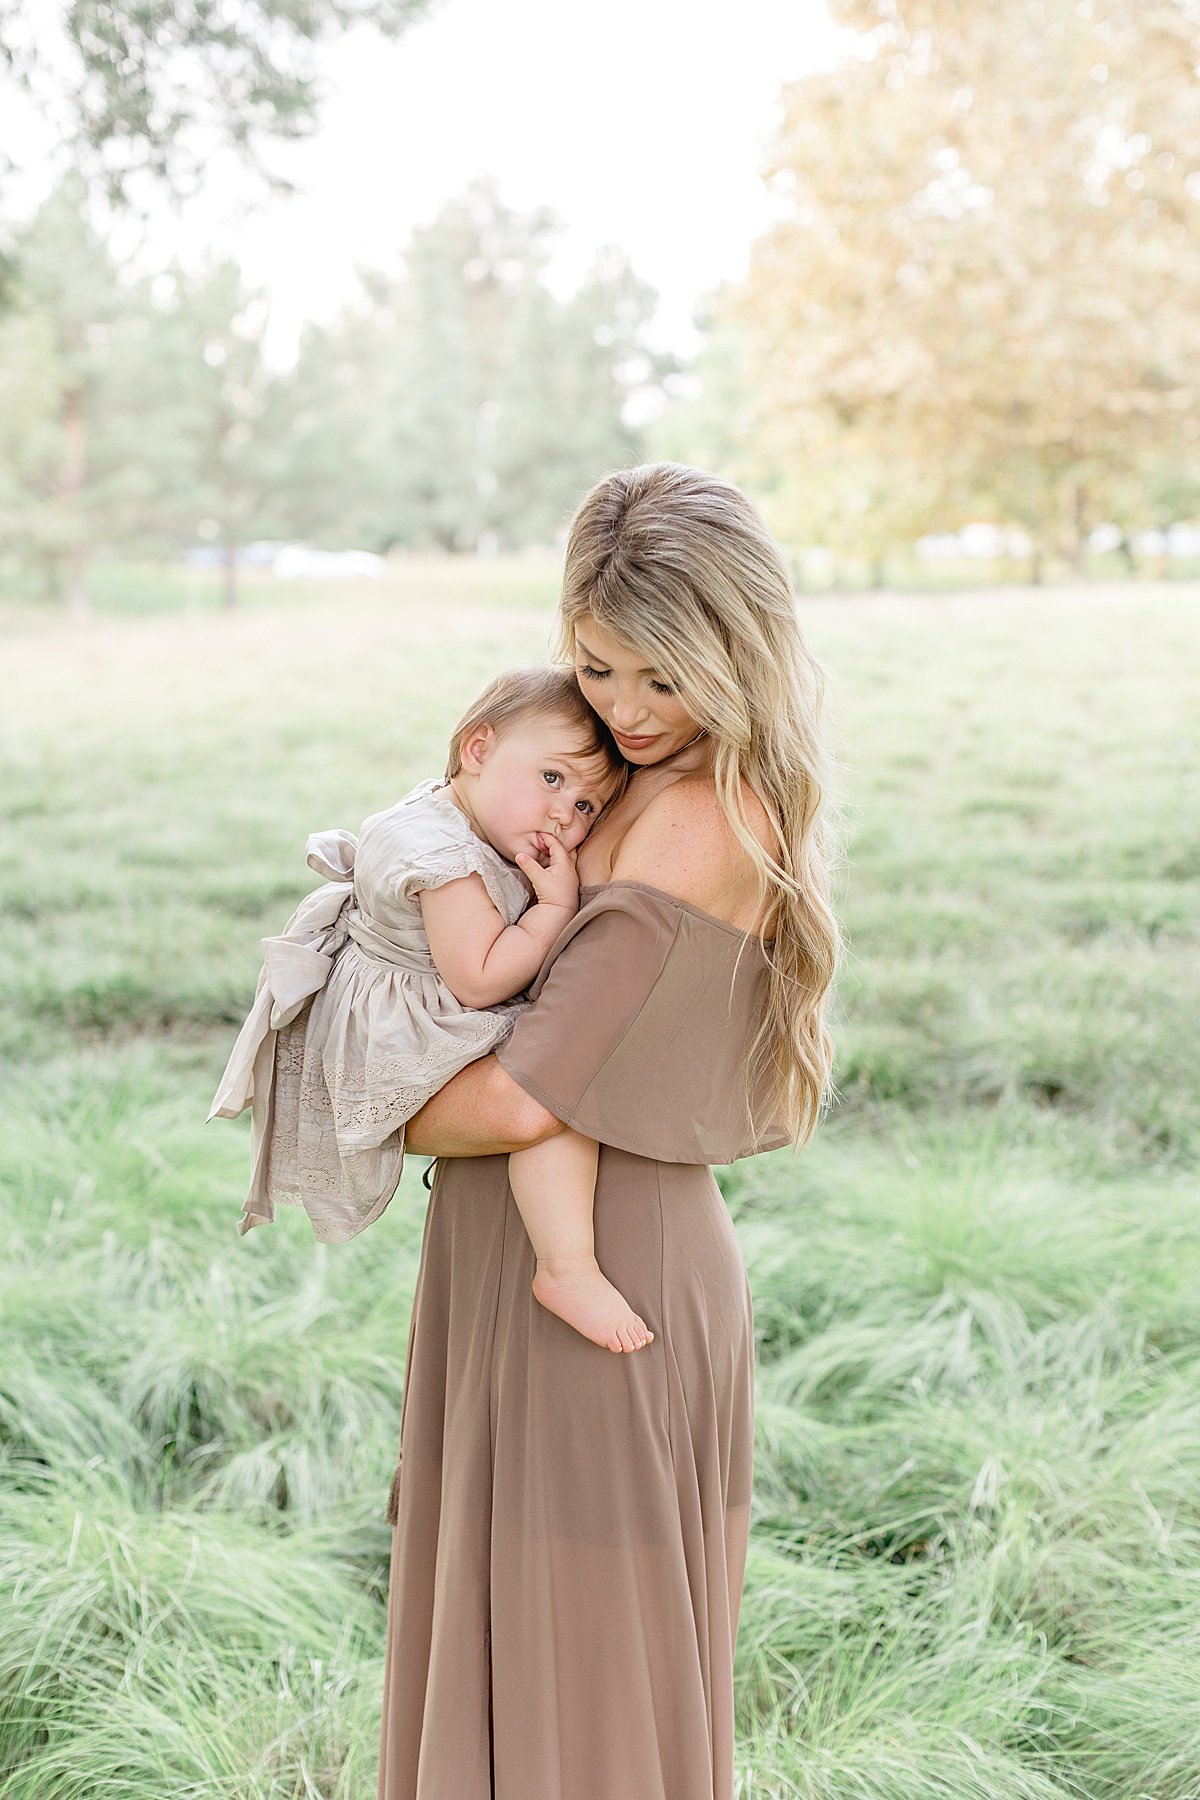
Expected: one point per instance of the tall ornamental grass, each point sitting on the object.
(975, 1564)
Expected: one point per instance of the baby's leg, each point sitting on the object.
(554, 1186)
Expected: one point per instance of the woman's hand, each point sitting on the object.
(481, 1111)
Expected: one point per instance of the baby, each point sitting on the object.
(410, 963)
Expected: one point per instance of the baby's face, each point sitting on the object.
(538, 779)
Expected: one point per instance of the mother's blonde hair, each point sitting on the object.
(678, 565)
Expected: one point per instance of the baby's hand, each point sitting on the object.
(556, 884)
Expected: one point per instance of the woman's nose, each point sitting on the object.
(627, 715)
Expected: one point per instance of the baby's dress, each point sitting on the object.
(352, 1027)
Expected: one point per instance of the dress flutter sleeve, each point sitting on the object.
(640, 1031)
(442, 863)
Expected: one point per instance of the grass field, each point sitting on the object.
(975, 1572)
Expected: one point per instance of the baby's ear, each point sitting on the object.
(474, 748)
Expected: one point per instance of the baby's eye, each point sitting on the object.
(552, 776)
(583, 806)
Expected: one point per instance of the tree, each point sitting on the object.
(711, 418)
(569, 371)
(153, 87)
(985, 284)
(125, 421)
(60, 480)
(433, 399)
(219, 412)
(459, 404)
(335, 451)
(464, 402)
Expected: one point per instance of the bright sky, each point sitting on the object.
(642, 122)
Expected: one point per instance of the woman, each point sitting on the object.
(571, 1526)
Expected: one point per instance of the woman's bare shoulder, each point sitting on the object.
(683, 844)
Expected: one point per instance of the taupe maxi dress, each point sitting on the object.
(571, 1524)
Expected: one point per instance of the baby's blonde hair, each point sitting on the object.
(678, 566)
(548, 692)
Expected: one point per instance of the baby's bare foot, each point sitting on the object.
(582, 1294)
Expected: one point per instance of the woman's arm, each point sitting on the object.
(481, 1111)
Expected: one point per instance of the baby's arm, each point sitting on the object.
(480, 958)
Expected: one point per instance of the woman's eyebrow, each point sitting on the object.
(580, 645)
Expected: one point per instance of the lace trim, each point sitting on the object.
(337, 1144)
(507, 892)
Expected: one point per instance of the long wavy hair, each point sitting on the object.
(678, 565)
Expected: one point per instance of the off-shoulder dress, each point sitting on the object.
(571, 1525)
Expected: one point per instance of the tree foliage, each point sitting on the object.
(63, 350)
(154, 86)
(465, 402)
(982, 292)
(216, 412)
(459, 404)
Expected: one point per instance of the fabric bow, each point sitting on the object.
(296, 965)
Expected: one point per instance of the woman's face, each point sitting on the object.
(639, 707)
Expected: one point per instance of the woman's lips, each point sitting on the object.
(636, 743)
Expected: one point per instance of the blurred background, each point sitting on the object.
(317, 317)
(289, 289)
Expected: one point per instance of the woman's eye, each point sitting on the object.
(551, 775)
(593, 674)
(660, 687)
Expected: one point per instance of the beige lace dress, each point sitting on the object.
(352, 1028)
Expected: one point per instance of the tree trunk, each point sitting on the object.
(74, 473)
(878, 571)
(229, 592)
(1072, 530)
(1035, 566)
(78, 604)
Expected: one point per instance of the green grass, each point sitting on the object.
(975, 1568)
